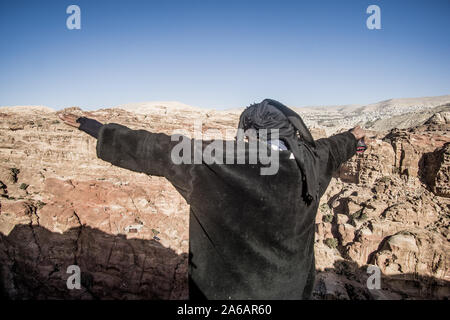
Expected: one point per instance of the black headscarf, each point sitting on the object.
(271, 114)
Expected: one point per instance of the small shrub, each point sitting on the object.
(23, 186)
(325, 208)
(359, 215)
(14, 173)
(40, 204)
(397, 170)
(369, 124)
(327, 218)
(385, 179)
(331, 242)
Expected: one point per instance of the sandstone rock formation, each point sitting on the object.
(128, 232)
(436, 170)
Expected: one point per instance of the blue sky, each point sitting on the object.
(221, 54)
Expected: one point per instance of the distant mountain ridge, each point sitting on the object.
(26, 109)
(150, 106)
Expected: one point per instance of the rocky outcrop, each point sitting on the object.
(439, 119)
(128, 232)
(435, 170)
(409, 148)
(376, 162)
(389, 207)
(61, 206)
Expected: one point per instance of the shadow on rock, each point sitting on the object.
(347, 281)
(34, 264)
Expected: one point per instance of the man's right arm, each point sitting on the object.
(137, 150)
(90, 126)
(144, 151)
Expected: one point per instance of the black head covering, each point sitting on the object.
(271, 114)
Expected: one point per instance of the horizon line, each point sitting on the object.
(160, 103)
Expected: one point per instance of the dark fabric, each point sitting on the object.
(251, 236)
(90, 126)
(267, 107)
(271, 114)
(194, 292)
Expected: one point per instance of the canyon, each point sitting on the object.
(128, 232)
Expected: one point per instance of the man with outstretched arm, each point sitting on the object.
(251, 236)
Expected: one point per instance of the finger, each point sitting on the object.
(69, 118)
(64, 117)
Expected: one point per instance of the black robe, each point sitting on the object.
(251, 236)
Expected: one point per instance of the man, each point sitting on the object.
(251, 235)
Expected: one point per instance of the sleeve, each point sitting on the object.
(335, 150)
(90, 126)
(143, 151)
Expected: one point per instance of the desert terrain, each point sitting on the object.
(128, 232)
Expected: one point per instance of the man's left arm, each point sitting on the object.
(334, 151)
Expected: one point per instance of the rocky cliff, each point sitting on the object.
(128, 232)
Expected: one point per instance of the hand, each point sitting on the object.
(70, 119)
(358, 132)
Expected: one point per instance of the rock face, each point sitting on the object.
(390, 208)
(376, 162)
(436, 170)
(61, 206)
(128, 232)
